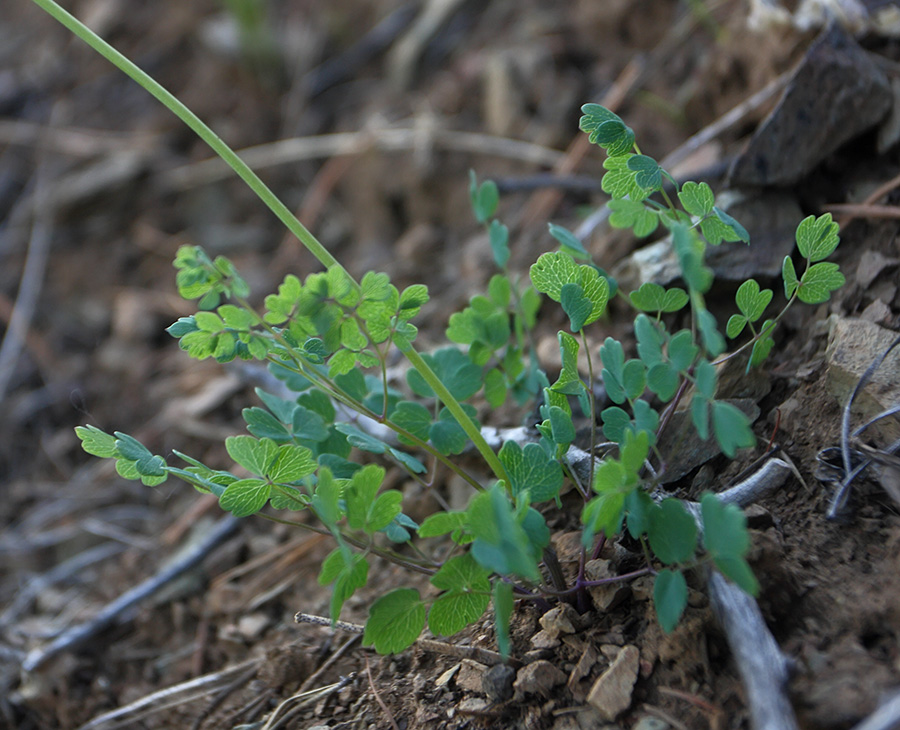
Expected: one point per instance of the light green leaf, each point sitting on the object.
(633, 214)
(735, 228)
(619, 181)
(411, 300)
(818, 281)
(606, 129)
(603, 513)
(561, 426)
(697, 198)
(670, 596)
(245, 497)
(395, 621)
(634, 379)
(789, 274)
(751, 301)
(255, 455)
(712, 339)
(817, 237)
(735, 325)
(663, 380)
(291, 464)
(552, 271)
(97, 442)
(440, 523)
(652, 297)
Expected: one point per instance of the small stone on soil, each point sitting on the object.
(539, 677)
(611, 693)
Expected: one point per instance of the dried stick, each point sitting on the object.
(174, 696)
(317, 147)
(77, 636)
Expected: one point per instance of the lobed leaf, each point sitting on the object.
(817, 237)
(670, 596)
(697, 198)
(396, 620)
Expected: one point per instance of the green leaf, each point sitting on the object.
(751, 301)
(484, 198)
(360, 439)
(690, 249)
(670, 596)
(447, 435)
(663, 380)
(647, 171)
(414, 418)
(735, 325)
(360, 495)
(732, 428)
(633, 214)
(576, 305)
(503, 608)
(697, 198)
(817, 237)
(763, 346)
(552, 271)
(634, 452)
(613, 358)
(724, 528)
(382, 513)
(654, 298)
(682, 350)
(440, 523)
(291, 464)
(498, 235)
(412, 300)
(327, 497)
(209, 322)
(672, 532)
(530, 468)
(568, 352)
(561, 426)
(606, 129)
(649, 340)
(638, 506)
(568, 242)
(395, 621)
(375, 286)
(467, 594)
(619, 180)
(255, 455)
(603, 513)
(705, 378)
(737, 570)
(735, 229)
(459, 375)
(97, 442)
(712, 339)
(818, 281)
(495, 389)
(245, 497)
(615, 421)
(501, 543)
(347, 578)
(789, 274)
(634, 379)
(700, 415)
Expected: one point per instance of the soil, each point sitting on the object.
(99, 186)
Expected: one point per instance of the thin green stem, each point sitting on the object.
(591, 400)
(283, 213)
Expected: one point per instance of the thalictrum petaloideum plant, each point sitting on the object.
(329, 339)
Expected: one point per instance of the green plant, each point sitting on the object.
(329, 338)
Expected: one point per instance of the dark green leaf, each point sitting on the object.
(732, 428)
(672, 532)
(530, 468)
(568, 242)
(670, 596)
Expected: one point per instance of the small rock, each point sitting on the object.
(854, 344)
(544, 640)
(642, 588)
(877, 312)
(497, 682)
(836, 94)
(558, 620)
(539, 677)
(611, 693)
(470, 675)
(474, 705)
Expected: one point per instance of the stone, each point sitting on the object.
(836, 94)
(538, 678)
(558, 621)
(611, 693)
(609, 595)
(470, 675)
(497, 682)
(853, 345)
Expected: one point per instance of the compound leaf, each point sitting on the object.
(818, 281)
(670, 596)
(395, 621)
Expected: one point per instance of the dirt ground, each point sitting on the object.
(99, 186)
